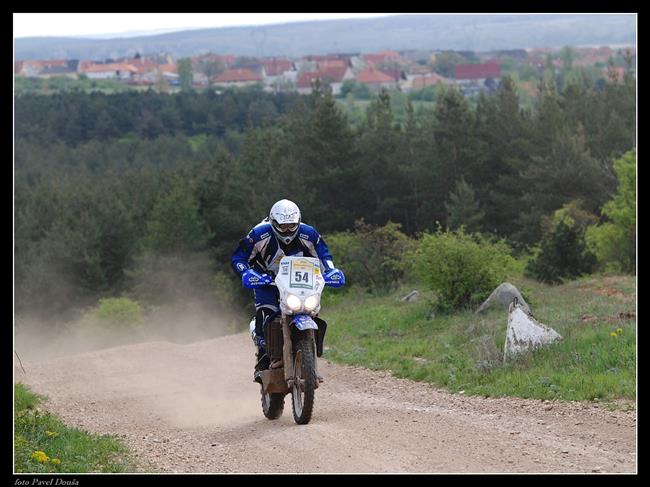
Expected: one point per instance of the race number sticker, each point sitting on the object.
(301, 274)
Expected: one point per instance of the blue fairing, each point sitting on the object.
(304, 322)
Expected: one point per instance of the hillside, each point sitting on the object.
(404, 32)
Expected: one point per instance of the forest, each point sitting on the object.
(113, 189)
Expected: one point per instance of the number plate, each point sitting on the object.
(301, 274)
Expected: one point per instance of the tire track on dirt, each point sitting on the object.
(194, 408)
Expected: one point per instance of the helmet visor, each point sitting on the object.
(285, 229)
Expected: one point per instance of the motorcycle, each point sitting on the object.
(294, 339)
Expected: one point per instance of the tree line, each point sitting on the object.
(110, 189)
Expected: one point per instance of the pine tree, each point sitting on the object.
(568, 172)
(463, 210)
(320, 146)
(175, 225)
(380, 145)
(457, 151)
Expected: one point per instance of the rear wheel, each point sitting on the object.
(272, 404)
(304, 386)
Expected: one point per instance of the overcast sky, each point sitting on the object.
(95, 24)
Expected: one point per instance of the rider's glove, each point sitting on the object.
(252, 279)
(334, 278)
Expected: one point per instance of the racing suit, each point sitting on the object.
(261, 251)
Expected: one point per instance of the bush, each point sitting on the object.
(562, 254)
(611, 245)
(614, 242)
(462, 269)
(118, 312)
(371, 256)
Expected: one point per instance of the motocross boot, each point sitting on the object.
(262, 362)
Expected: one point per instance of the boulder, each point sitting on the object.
(504, 295)
(411, 297)
(525, 332)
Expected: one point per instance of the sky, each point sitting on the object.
(96, 24)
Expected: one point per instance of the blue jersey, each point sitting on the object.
(261, 250)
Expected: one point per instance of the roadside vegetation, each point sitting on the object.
(463, 351)
(43, 444)
(584, 295)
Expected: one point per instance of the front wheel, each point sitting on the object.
(272, 404)
(304, 385)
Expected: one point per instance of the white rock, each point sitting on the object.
(525, 333)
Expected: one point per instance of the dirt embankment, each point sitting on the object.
(194, 408)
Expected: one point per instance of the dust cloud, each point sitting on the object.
(186, 364)
(39, 339)
(184, 297)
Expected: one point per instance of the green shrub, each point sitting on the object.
(609, 242)
(24, 398)
(118, 312)
(371, 256)
(563, 253)
(462, 269)
(614, 242)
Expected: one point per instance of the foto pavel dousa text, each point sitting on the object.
(52, 481)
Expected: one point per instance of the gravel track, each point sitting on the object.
(194, 408)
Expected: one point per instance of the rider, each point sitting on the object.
(257, 259)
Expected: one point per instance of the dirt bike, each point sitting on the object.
(294, 339)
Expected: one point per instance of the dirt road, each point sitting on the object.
(194, 408)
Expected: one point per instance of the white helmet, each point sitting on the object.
(285, 220)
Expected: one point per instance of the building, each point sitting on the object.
(383, 57)
(376, 80)
(238, 77)
(305, 81)
(330, 73)
(35, 67)
(279, 73)
(119, 71)
(473, 78)
(471, 72)
(169, 73)
(415, 82)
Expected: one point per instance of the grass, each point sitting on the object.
(59, 84)
(464, 351)
(356, 111)
(43, 444)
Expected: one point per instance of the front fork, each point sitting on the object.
(287, 350)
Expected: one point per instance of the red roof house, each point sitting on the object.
(381, 57)
(306, 78)
(239, 75)
(333, 74)
(332, 63)
(477, 71)
(167, 68)
(420, 82)
(330, 75)
(373, 76)
(275, 67)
